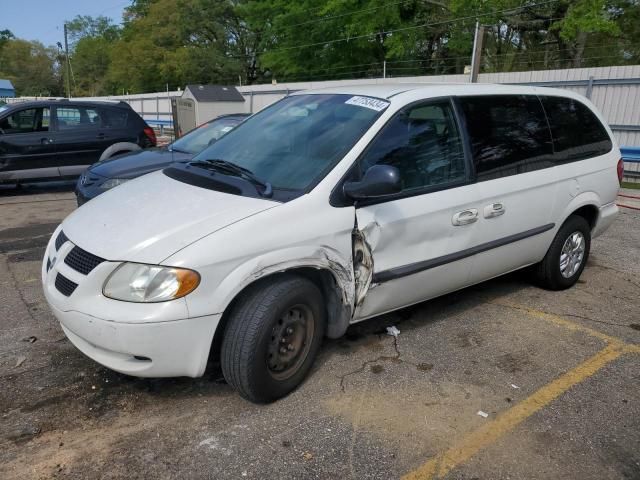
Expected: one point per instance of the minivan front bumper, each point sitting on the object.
(139, 339)
(163, 349)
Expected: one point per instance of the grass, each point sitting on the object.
(634, 186)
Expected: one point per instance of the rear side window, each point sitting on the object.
(509, 135)
(114, 118)
(75, 118)
(577, 132)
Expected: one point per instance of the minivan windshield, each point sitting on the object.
(295, 142)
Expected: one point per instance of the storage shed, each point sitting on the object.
(214, 100)
(6, 89)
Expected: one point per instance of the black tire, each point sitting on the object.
(548, 272)
(252, 359)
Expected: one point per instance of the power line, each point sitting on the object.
(412, 27)
(370, 9)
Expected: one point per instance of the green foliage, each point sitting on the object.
(5, 36)
(30, 67)
(91, 40)
(175, 42)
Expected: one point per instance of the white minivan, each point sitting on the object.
(327, 208)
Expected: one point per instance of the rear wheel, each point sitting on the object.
(567, 256)
(272, 338)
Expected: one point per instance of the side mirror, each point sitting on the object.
(378, 181)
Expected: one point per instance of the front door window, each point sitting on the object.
(424, 143)
(28, 120)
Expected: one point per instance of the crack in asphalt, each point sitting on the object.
(611, 324)
(14, 284)
(621, 272)
(382, 358)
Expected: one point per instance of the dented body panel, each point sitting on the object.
(409, 231)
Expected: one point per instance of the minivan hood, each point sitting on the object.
(134, 164)
(148, 219)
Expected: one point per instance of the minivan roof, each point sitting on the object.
(389, 90)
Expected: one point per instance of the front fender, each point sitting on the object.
(231, 283)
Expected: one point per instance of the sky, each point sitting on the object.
(43, 20)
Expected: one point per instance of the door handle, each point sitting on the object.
(465, 217)
(44, 141)
(100, 136)
(494, 210)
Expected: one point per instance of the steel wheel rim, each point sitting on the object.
(290, 341)
(572, 254)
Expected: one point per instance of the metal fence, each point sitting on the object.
(614, 90)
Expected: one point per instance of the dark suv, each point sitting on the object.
(61, 138)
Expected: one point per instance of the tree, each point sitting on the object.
(5, 36)
(175, 42)
(30, 66)
(91, 42)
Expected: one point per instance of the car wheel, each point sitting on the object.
(567, 256)
(272, 337)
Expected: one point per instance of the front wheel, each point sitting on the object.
(567, 256)
(272, 337)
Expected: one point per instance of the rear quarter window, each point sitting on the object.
(114, 118)
(508, 133)
(577, 133)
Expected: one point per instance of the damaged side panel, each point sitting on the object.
(362, 265)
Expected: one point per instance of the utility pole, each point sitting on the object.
(477, 53)
(384, 69)
(66, 52)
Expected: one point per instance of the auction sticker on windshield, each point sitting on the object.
(368, 102)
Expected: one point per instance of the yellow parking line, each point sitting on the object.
(508, 420)
(557, 320)
(569, 325)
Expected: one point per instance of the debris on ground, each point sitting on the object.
(30, 339)
(483, 414)
(20, 360)
(307, 455)
(393, 331)
(513, 385)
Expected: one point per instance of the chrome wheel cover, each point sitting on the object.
(572, 254)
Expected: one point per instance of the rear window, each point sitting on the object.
(577, 132)
(509, 135)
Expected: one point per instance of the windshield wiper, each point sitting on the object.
(223, 166)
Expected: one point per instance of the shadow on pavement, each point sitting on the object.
(25, 189)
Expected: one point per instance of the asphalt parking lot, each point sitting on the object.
(556, 374)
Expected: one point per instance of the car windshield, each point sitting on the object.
(295, 142)
(206, 134)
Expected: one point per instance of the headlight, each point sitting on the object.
(137, 282)
(113, 182)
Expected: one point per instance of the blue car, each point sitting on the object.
(110, 173)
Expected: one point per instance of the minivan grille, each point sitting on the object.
(82, 261)
(64, 285)
(61, 239)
